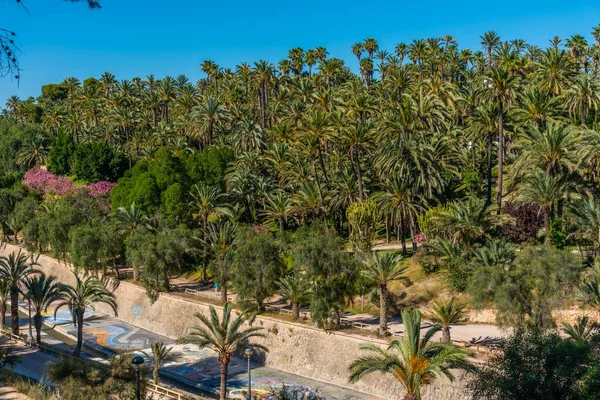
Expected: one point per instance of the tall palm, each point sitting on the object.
(14, 269)
(446, 314)
(42, 291)
(84, 294)
(219, 238)
(490, 40)
(501, 88)
(207, 202)
(383, 269)
(161, 354)
(224, 336)
(297, 290)
(415, 362)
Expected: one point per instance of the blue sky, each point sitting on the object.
(139, 37)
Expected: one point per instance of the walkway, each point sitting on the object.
(195, 367)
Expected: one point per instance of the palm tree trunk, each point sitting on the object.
(223, 292)
(281, 228)
(318, 182)
(402, 233)
(37, 322)
(2, 313)
(14, 310)
(204, 249)
(295, 311)
(500, 156)
(387, 229)
(322, 163)
(547, 226)
(446, 333)
(79, 322)
(488, 201)
(361, 193)
(223, 390)
(155, 373)
(383, 299)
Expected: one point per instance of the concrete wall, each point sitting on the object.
(293, 348)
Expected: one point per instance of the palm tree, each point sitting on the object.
(447, 314)
(14, 269)
(131, 219)
(224, 336)
(206, 203)
(589, 293)
(42, 291)
(415, 362)
(501, 88)
(490, 40)
(582, 332)
(84, 294)
(543, 191)
(383, 269)
(297, 290)
(161, 354)
(219, 238)
(278, 209)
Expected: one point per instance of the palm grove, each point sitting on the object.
(262, 177)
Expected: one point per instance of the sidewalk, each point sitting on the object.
(195, 367)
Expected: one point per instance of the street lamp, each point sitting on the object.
(249, 351)
(137, 362)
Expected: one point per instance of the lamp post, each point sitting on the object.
(137, 362)
(249, 351)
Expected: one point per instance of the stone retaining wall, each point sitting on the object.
(293, 348)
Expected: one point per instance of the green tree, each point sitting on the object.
(533, 364)
(415, 362)
(224, 336)
(84, 294)
(14, 270)
(161, 354)
(62, 155)
(96, 162)
(257, 265)
(446, 314)
(42, 291)
(296, 289)
(382, 269)
(527, 292)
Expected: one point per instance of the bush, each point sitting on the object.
(96, 162)
(62, 155)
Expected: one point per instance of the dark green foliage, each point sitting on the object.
(62, 155)
(208, 166)
(557, 236)
(590, 383)
(96, 162)
(23, 212)
(86, 242)
(257, 264)
(527, 292)
(54, 223)
(320, 254)
(79, 380)
(12, 137)
(157, 256)
(535, 365)
(164, 182)
(8, 200)
(53, 92)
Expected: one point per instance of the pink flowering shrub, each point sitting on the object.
(48, 183)
(420, 238)
(100, 188)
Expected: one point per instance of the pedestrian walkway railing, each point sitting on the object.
(278, 310)
(207, 293)
(168, 393)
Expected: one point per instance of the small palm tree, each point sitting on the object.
(14, 269)
(224, 336)
(446, 314)
(584, 331)
(414, 361)
(296, 290)
(84, 294)
(42, 290)
(161, 354)
(382, 269)
(589, 293)
(130, 219)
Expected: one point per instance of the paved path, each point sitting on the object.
(194, 368)
(9, 393)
